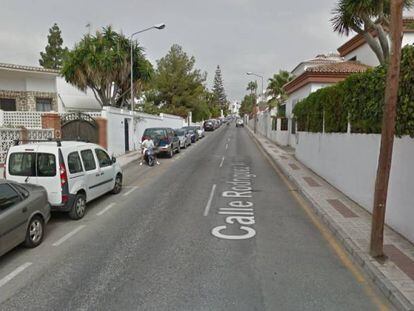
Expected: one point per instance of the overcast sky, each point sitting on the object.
(239, 35)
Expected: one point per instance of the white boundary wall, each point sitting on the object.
(264, 127)
(137, 123)
(349, 162)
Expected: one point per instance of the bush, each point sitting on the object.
(361, 98)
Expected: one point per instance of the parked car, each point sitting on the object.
(193, 131)
(72, 172)
(184, 137)
(239, 123)
(200, 131)
(165, 140)
(209, 125)
(24, 213)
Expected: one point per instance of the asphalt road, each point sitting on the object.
(180, 238)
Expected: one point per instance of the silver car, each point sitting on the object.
(24, 212)
(184, 136)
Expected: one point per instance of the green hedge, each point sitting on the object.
(361, 98)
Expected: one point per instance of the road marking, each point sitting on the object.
(210, 199)
(333, 243)
(129, 191)
(227, 146)
(14, 273)
(68, 236)
(222, 161)
(105, 209)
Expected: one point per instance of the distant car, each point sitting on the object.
(209, 125)
(193, 129)
(72, 172)
(200, 131)
(165, 140)
(24, 213)
(184, 136)
(239, 123)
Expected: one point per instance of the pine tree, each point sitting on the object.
(218, 90)
(54, 53)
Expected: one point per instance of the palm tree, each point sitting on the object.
(367, 18)
(275, 87)
(252, 87)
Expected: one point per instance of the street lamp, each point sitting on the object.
(157, 26)
(249, 73)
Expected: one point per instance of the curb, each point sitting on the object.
(362, 259)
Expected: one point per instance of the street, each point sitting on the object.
(177, 238)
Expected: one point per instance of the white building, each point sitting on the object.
(357, 49)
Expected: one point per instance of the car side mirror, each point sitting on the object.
(113, 159)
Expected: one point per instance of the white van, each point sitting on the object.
(72, 172)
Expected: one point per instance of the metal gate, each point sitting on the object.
(79, 126)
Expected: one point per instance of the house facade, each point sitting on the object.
(312, 75)
(27, 88)
(358, 50)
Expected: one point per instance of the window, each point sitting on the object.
(22, 164)
(74, 163)
(46, 165)
(103, 158)
(88, 160)
(8, 196)
(43, 104)
(8, 104)
(23, 191)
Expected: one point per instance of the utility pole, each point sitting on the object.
(255, 111)
(388, 131)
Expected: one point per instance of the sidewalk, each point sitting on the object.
(351, 225)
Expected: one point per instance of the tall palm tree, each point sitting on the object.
(366, 17)
(252, 87)
(275, 87)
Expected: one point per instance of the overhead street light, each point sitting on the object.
(157, 26)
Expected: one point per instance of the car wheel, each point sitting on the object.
(79, 207)
(171, 152)
(118, 184)
(35, 232)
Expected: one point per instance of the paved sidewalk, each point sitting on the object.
(127, 158)
(351, 224)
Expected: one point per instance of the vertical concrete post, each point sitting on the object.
(52, 121)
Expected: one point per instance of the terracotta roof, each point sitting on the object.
(327, 73)
(27, 68)
(359, 40)
(342, 67)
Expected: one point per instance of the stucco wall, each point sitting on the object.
(116, 131)
(349, 162)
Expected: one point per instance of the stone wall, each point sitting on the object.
(26, 100)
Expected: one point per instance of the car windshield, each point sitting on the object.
(154, 132)
(32, 164)
(180, 132)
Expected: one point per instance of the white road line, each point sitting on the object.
(14, 273)
(210, 199)
(222, 161)
(129, 191)
(227, 145)
(105, 209)
(68, 236)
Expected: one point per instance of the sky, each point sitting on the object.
(261, 36)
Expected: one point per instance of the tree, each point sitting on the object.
(388, 131)
(101, 62)
(247, 104)
(180, 87)
(218, 90)
(252, 87)
(368, 18)
(275, 88)
(54, 53)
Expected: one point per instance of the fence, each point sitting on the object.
(9, 135)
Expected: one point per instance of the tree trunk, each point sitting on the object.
(375, 46)
(388, 130)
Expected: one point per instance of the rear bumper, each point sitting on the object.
(64, 207)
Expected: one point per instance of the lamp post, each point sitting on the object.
(255, 102)
(158, 26)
